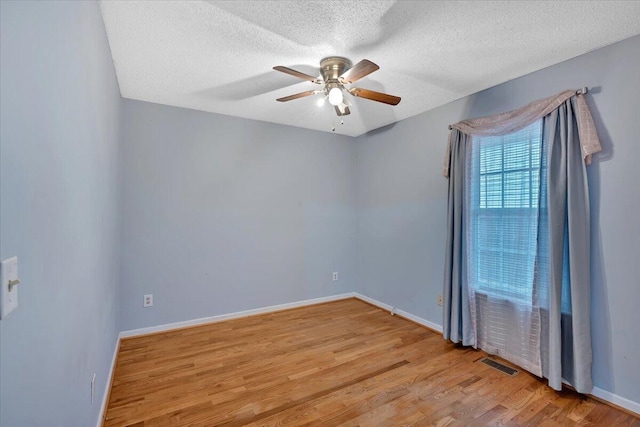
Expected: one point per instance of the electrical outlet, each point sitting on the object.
(335, 276)
(93, 387)
(148, 300)
(440, 302)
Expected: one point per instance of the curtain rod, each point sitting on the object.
(582, 91)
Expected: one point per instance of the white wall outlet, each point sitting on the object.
(335, 276)
(148, 300)
(93, 387)
(440, 302)
(9, 284)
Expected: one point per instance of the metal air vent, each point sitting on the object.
(500, 367)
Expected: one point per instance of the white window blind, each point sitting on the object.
(503, 224)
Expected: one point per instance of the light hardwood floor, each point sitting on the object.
(340, 363)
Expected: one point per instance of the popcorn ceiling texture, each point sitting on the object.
(217, 56)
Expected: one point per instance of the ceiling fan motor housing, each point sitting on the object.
(333, 67)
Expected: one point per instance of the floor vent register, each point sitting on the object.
(500, 367)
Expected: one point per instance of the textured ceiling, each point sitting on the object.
(218, 56)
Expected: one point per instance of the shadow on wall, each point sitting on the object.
(381, 130)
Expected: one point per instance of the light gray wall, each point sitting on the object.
(222, 214)
(402, 202)
(58, 210)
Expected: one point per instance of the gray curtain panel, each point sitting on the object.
(569, 139)
(568, 332)
(457, 325)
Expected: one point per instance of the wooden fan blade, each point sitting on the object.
(375, 96)
(297, 74)
(340, 113)
(358, 71)
(297, 95)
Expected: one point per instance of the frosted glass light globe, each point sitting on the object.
(335, 96)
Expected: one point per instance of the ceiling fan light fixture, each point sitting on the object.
(335, 96)
(336, 72)
(320, 102)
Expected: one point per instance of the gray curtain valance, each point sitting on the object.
(513, 121)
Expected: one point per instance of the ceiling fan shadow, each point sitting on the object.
(257, 85)
(396, 21)
(439, 80)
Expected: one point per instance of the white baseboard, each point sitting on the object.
(107, 385)
(620, 401)
(236, 315)
(402, 313)
(597, 392)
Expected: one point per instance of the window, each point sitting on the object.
(505, 206)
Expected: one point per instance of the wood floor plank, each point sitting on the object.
(340, 363)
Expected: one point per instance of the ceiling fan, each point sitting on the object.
(337, 72)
